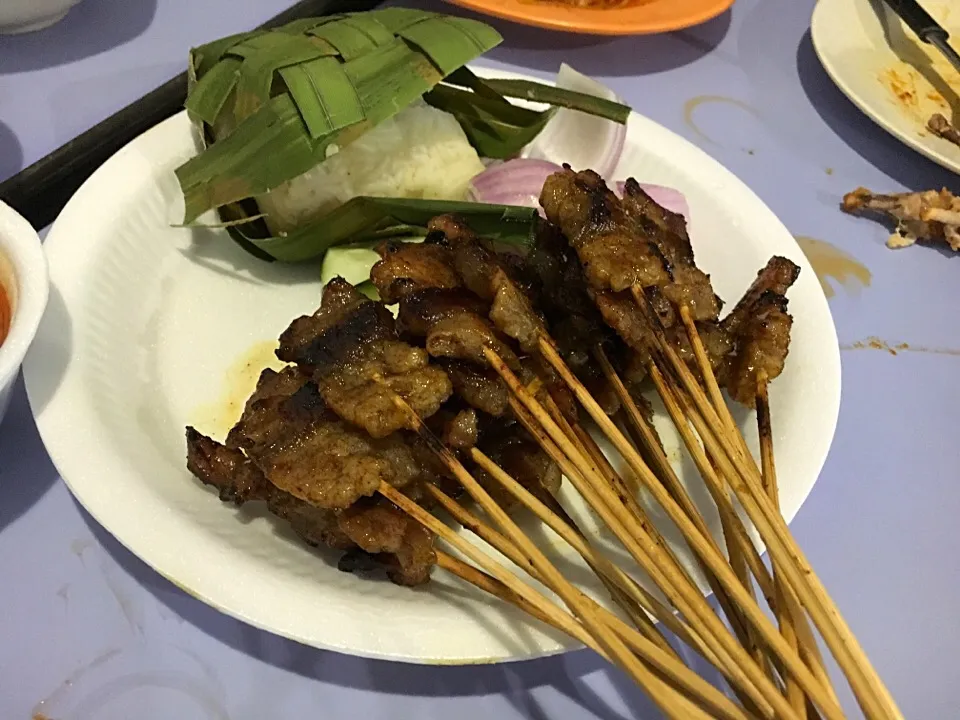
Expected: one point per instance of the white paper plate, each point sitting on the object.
(150, 326)
(893, 77)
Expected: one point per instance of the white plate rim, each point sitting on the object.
(57, 419)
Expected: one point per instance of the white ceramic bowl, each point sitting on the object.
(23, 274)
(20, 16)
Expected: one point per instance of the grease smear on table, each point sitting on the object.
(895, 348)
(240, 380)
(830, 263)
(691, 105)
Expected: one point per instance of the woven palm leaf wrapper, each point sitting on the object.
(271, 105)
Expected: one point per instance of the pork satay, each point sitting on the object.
(351, 350)
(614, 254)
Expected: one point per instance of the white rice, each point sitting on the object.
(421, 152)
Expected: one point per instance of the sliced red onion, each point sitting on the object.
(665, 197)
(580, 140)
(514, 182)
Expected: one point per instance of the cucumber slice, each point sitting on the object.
(353, 263)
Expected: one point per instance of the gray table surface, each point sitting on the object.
(88, 632)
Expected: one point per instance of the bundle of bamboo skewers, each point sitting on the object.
(775, 671)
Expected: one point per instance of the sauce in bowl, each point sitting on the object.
(6, 299)
(5, 315)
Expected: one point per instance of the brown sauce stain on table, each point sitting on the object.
(875, 343)
(691, 105)
(832, 263)
(239, 382)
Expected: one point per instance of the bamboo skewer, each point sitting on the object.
(739, 545)
(743, 631)
(665, 662)
(587, 614)
(705, 548)
(650, 603)
(481, 580)
(871, 693)
(807, 643)
(490, 536)
(736, 663)
(628, 492)
(785, 612)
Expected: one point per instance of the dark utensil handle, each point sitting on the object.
(917, 18)
(40, 191)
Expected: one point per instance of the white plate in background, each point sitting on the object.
(893, 77)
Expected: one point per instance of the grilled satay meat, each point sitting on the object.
(668, 228)
(408, 267)
(688, 285)
(239, 481)
(456, 426)
(553, 270)
(400, 545)
(615, 255)
(519, 455)
(304, 449)
(350, 348)
(928, 215)
(421, 310)
(397, 542)
(777, 276)
(513, 314)
(491, 277)
(474, 261)
(620, 312)
(760, 329)
(453, 325)
(479, 387)
(763, 345)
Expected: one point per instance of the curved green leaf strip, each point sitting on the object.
(210, 93)
(450, 42)
(324, 95)
(365, 218)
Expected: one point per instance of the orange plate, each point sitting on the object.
(637, 17)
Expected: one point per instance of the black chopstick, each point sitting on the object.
(40, 191)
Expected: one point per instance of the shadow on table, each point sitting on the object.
(11, 153)
(868, 140)
(544, 50)
(26, 471)
(91, 27)
(565, 674)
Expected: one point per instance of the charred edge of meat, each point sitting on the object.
(305, 404)
(604, 207)
(222, 468)
(777, 276)
(665, 220)
(421, 309)
(407, 267)
(345, 341)
(764, 344)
